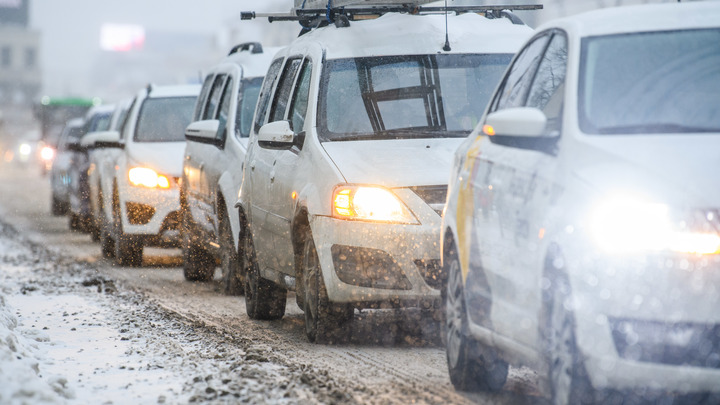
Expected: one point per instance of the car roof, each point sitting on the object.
(402, 34)
(99, 109)
(252, 64)
(641, 18)
(174, 90)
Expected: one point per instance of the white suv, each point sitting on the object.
(146, 193)
(212, 169)
(347, 165)
(582, 232)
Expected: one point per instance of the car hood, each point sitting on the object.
(396, 162)
(163, 157)
(678, 169)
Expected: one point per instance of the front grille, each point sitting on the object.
(434, 196)
(139, 214)
(365, 267)
(688, 344)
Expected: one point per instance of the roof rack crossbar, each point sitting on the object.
(305, 16)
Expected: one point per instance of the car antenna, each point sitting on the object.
(446, 48)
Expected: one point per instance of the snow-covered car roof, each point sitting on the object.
(175, 90)
(253, 64)
(641, 18)
(402, 34)
(104, 108)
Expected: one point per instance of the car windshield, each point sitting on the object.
(394, 97)
(246, 105)
(658, 82)
(164, 119)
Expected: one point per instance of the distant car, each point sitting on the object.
(68, 145)
(103, 150)
(145, 192)
(96, 119)
(212, 168)
(346, 171)
(582, 230)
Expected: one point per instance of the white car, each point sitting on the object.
(581, 234)
(212, 169)
(67, 146)
(146, 192)
(346, 172)
(104, 147)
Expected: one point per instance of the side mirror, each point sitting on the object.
(521, 127)
(276, 135)
(105, 139)
(520, 121)
(205, 131)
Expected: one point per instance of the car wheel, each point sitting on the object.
(569, 383)
(107, 243)
(471, 365)
(57, 207)
(198, 263)
(263, 298)
(128, 251)
(232, 281)
(325, 322)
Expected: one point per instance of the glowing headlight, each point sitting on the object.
(370, 204)
(47, 153)
(142, 176)
(624, 225)
(25, 149)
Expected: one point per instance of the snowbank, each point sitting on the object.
(20, 357)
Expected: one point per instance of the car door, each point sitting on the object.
(199, 195)
(513, 184)
(256, 174)
(282, 188)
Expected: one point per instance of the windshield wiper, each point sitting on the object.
(666, 127)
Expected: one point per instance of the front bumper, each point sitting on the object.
(650, 323)
(153, 213)
(376, 264)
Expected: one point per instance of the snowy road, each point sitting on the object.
(91, 332)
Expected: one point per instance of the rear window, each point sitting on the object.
(164, 119)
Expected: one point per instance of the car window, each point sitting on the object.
(210, 111)
(282, 94)
(650, 83)
(203, 97)
(247, 99)
(517, 81)
(300, 98)
(224, 108)
(392, 97)
(164, 119)
(265, 92)
(546, 92)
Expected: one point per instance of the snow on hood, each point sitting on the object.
(163, 157)
(679, 169)
(394, 163)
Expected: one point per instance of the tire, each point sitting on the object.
(198, 263)
(75, 223)
(57, 207)
(264, 299)
(325, 322)
(128, 251)
(472, 366)
(569, 383)
(232, 280)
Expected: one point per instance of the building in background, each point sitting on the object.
(20, 72)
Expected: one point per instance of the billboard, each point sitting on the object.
(14, 12)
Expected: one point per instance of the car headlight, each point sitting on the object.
(142, 176)
(370, 204)
(626, 224)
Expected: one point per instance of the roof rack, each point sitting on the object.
(253, 47)
(342, 15)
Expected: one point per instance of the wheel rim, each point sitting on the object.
(561, 351)
(310, 274)
(454, 311)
